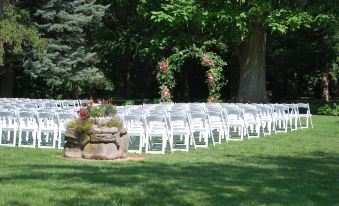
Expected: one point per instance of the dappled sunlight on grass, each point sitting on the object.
(298, 168)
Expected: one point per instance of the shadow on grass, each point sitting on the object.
(306, 180)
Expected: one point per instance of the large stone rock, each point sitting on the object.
(123, 143)
(72, 150)
(102, 143)
(107, 151)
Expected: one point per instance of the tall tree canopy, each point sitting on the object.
(243, 25)
(69, 58)
(18, 41)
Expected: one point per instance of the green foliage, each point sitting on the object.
(115, 123)
(129, 102)
(177, 59)
(95, 112)
(17, 33)
(230, 22)
(108, 110)
(69, 58)
(104, 110)
(81, 126)
(329, 109)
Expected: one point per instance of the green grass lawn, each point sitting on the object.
(298, 168)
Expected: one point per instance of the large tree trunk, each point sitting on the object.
(7, 81)
(8, 77)
(325, 96)
(252, 61)
(75, 90)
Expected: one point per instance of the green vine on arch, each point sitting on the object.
(212, 61)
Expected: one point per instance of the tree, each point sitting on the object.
(119, 48)
(18, 41)
(243, 25)
(68, 58)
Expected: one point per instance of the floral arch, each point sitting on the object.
(210, 60)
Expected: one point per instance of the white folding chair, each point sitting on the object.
(179, 126)
(51, 105)
(266, 119)
(47, 124)
(216, 124)
(69, 103)
(235, 124)
(293, 116)
(8, 123)
(280, 118)
(8, 108)
(252, 122)
(199, 124)
(304, 112)
(156, 126)
(28, 124)
(31, 107)
(136, 131)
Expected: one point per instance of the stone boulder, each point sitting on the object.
(101, 143)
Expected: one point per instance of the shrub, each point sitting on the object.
(129, 102)
(94, 112)
(102, 110)
(108, 110)
(115, 123)
(329, 109)
(81, 126)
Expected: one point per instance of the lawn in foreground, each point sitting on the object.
(298, 168)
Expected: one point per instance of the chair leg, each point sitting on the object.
(147, 144)
(164, 142)
(187, 142)
(20, 138)
(212, 136)
(171, 141)
(14, 138)
(141, 143)
(54, 138)
(39, 138)
(242, 133)
(34, 136)
(1, 136)
(307, 122)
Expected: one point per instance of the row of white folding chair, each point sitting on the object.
(152, 127)
(31, 106)
(278, 113)
(175, 124)
(48, 103)
(147, 129)
(205, 124)
(36, 124)
(32, 109)
(286, 115)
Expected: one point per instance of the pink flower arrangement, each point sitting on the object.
(211, 100)
(163, 66)
(165, 93)
(207, 61)
(83, 114)
(210, 78)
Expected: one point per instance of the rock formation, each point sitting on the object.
(102, 143)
